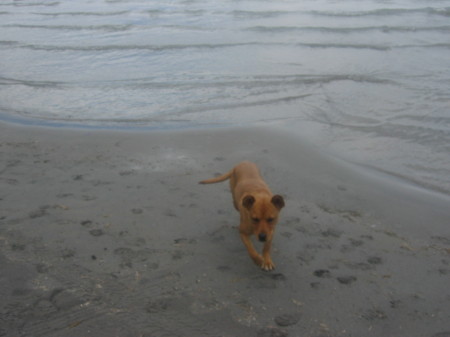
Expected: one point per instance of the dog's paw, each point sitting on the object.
(267, 265)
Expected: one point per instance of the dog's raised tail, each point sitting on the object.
(218, 179)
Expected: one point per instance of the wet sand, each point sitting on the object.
(107, 233)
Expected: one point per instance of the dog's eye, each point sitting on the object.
(255, 220)
(269, 220)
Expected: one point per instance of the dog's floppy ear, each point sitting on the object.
(278, 201)
(248, 201)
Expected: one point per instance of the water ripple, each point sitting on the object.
(382, 12)
(181, 47)
(30, 4)
(55, 14)
(349, 30)
(109, 28)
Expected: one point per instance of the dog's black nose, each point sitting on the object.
(262, 237)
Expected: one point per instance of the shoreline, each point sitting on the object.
(181, 126)
(105, 125)
(106, 232)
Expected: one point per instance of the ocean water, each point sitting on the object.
(365, 80)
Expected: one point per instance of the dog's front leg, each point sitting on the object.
(258, 259)
(267, 263)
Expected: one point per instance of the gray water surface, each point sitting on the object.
(366, 80)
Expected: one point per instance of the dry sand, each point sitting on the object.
(107, 233)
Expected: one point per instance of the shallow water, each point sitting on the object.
(366, 80)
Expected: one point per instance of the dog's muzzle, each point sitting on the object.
(262, 237)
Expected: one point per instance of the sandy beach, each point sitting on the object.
(108, 233)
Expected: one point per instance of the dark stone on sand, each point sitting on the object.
(124, 251)
(332, 233)
(324, 273)
(86, 223)
(287, 320)
(41, 268)
(356, 243)
(375, 260)
(374, 314)
(18, 246)
(38, 213)
(395, 304)
(96, 232)
(170, 213)
(346, 279)
(158, 305)
(64, 299)
(278, 277)
(177, 255)
(67, 253)
(315, 285)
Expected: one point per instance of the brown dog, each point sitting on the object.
(258, 207)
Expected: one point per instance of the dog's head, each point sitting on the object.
(263, 213)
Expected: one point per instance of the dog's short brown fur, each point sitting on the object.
(258, 208)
